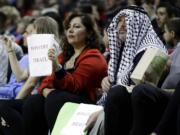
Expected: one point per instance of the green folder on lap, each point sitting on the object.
(72, 118)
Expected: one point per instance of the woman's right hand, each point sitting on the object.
(8, 43)
(105, 84)
(92, 120)
(52, 55)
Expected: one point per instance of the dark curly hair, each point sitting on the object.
(93, 39)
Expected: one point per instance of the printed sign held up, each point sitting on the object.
(38, 46)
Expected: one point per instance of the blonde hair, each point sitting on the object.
(47, 25)
(12, 13)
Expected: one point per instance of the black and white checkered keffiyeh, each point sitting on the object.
(140, 35)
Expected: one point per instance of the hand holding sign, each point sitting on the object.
(52, 55)
(38, 46)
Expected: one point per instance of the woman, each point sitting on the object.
(78, 72)
(37, 26)
(21, 70)
(81, 61)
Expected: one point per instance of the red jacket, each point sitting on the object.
(90, 69)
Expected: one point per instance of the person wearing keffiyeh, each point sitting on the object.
(124, 54)
(130, 33)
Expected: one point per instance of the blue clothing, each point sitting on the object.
(3, 64)
(5, 70)
(11, 89)
(174, 75)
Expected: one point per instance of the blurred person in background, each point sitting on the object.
(12, 17)
(164, 12)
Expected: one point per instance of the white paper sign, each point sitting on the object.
(38, 46)
(78, 121)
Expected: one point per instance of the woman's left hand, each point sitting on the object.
(52, 55)
(105, 84)
(46, 92)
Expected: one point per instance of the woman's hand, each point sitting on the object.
(46, 92)
(105, 84)
(8, 43)
(52, 55)
(92, 120)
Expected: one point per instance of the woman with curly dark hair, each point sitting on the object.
(92, 39)
(77, 74)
